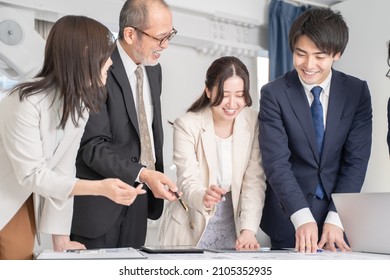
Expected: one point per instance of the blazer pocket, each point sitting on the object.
(174, 227)
(178, 213)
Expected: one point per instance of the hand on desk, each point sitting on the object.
(62, 242)
(306, 238)
(333, 236)
(247, 241)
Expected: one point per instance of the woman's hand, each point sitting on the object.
(247, 241)
(212, 196)
(120, 192)
(62, 243)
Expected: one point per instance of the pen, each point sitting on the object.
(223, 198)
(221, 186)
(85, 251)
(181, 201)
(71, 250)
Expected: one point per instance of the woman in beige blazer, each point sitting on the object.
(219, 171)
(41, 124)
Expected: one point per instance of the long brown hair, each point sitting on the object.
(76, 50)
(219, 71)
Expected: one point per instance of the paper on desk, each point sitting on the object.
(109, 253)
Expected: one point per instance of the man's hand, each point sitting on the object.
(332, 237)
(160, 185)
(306, 238)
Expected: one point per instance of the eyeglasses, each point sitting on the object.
(160, 40)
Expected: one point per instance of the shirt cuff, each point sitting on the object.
(334, 219)
(138, 179)
(302, 216)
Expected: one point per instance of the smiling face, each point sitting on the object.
(147, 50)
(312, 65)
(233, 100)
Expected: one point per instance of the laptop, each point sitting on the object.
(365, 217)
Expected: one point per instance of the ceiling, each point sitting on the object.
(327, 2)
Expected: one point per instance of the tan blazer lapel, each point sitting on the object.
(209, 145)
(241, 146)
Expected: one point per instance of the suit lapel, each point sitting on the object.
(209, 145)
(337, 101)
(70, 133)
(241, 145)
(154, 87)
(119, 72)
(298, 100)
(154, 78)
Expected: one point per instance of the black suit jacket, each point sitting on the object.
(290, 154)
(110, 148)
(388, 124)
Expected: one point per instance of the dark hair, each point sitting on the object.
(76, 49)
(326, 28)
(136, 13)
(219, 71)
(388, 50)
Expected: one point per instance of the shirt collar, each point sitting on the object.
(325, 84)
(128, 63)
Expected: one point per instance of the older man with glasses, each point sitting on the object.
(125, 140)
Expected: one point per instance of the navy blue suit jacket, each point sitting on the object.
(290, 154)
(110, 148)
(388, 124)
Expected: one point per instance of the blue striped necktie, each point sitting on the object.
(318, 121)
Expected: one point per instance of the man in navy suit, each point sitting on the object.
(388, 124)
(111, 144)
(296, 165)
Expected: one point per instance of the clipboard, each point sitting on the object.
(174, 249)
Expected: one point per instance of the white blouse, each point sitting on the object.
(224, 154)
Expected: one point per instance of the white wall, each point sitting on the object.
(366, 58)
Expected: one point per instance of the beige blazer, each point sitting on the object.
(195, 157)
(32, 161)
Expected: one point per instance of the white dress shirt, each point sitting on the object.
(304, 215)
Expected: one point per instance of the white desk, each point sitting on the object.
(124, 253)
(208, 265)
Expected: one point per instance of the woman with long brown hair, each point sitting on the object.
(41, 123)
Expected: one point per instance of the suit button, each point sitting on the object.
(310, 195)
(191, 225)
(134, 159)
